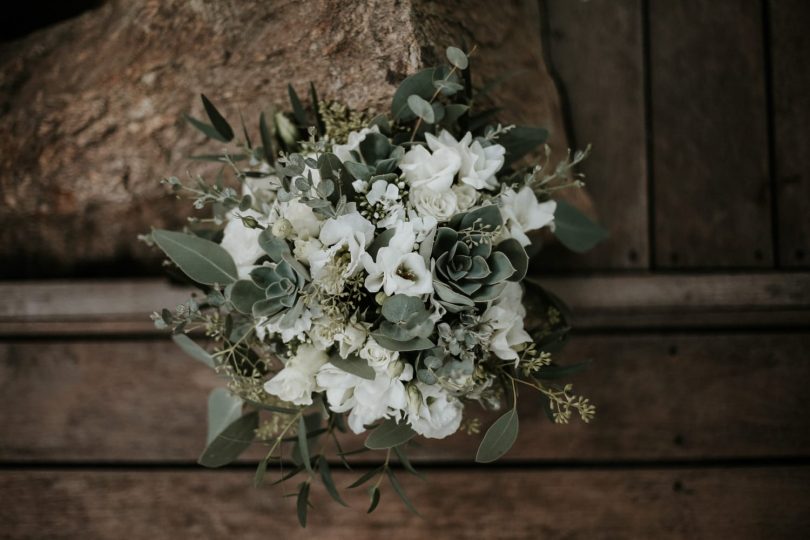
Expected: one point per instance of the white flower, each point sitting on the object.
(466, 196)
(432, 170)
(478, 163)
(440, 205)
(337, 230)
(352, 337)
(242, 243)
(368, 401)
(297, 330)
(384, 199)
(522, 213)
(422, 225)
(305, 223)
(432, 411)
(505, 318)
(376, 355)
(304, 249)
(296, 382)
(398, 269)
(350, 233)
(344, 151)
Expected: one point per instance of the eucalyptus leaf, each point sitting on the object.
(231, 442)
(389, 434)
(457, 57)
(366, 476)
(421, 84)
(191, 348)
(217, 120)
(520, 140)
(575, 230)
(354, 365)
(224, 408)
(421, 108)
(415, 344)
(499, 438)
(400, 308)
(406, 463)
(202, 260)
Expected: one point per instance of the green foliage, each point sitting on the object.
(421, 108)
(499, 438)
(302, 503)
(224, 408)
(244, 294)
(354, 365)
(575, 230)
(401, 492)
(202, 260)
(389, 434)
(190, 347)
(407, 325)
(457, 57)
(419, 84)
(374, 496)
(328, 482)
(217, 120)
(231, 442)
(520, 140)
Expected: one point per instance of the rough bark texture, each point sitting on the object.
(91, 108)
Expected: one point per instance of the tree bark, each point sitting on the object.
(92, 107)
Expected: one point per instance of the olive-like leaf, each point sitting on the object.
(303, 444)
(302, 504)
(202, 260)
(374, 495)
(217, 120)
(267, 139)
(401, 492)
(206, 129)
(575, 230)
(328, 482)
(499, 438)
(231, 442)
(191, 348)
(389, 434)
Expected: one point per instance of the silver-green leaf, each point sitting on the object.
(224, 408)
(354, 365)
(575, 230)
(499, 438)
(193, 350)
(389, 434)
(421, 108)
(202, 260)
(457, 57)
(231, 442)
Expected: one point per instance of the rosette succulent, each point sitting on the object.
(470, 266)
(274, 289)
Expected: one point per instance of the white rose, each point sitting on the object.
(437, 204)
(505, 318)
(305, 223)
(344, 151)
(304, 249)
(296, 382)
(432, 412)
(242, 243)
(466, 196)
(478, 163)
(431, 170)
(351, 232)
(376, 355)
(352, 337)
(522, 213)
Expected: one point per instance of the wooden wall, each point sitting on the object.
(696, 313)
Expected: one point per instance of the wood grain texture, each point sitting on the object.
(710, 136)
(595, 49)
(790, 56)
(657, 397)
(609, 301)
(521, 504)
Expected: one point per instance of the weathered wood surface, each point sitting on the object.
(596, 50)
(681, 396)
(609, 301)
(520, 504)
(85, 138)
(789, 56)
(712, 201)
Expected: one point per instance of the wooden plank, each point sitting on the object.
(790, 56)
(623, 301)
(658, 397)
(710, 135)
(596, 50)
(522, 504)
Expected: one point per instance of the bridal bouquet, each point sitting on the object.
(368, 275)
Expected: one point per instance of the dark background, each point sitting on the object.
(696, 312)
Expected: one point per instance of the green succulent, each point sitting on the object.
(470, 268)
(273, 290)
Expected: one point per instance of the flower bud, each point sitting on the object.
(250, 222)
(414, 400)
(395, 369)
(380, 297)
(282, 228)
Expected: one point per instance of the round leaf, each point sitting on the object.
(457, 57)
(202, 260)
(421, 108)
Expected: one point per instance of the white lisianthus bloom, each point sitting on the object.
(505, 318)
(305, 223)
(352, 337)
(296, 382)
(344, 151)
(479, 164)
(350, 233)
(367, 401)
(376, 355)
(242, 243)
(398, 269)
(523, 213)
(466, 196)
(440, 205)
(432, 412)
(297, 330)
(435, 170)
